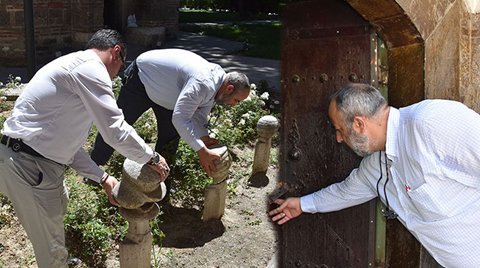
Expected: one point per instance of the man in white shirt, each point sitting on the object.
(181, 87)
(48, 125)
(431, 152)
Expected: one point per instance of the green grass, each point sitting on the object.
(214, 16)
(263, 38)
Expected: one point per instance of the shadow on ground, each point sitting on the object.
(184, 228)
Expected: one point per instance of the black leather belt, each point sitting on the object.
(130, 71)
(17, 145)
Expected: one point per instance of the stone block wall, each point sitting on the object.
(156, 13)
(62, 26)
(59, 25)
(12, 32)
(452, 54)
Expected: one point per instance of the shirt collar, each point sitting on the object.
(392, 131)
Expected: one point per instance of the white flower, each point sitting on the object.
(247, 115)
(276, 102)
(212, 135)
(242, 122)
(253, 94)
(18, 79)
(262, 103)
(264, 96)
(253, 86)
(228, 122)
(215, 131)
(272, 106)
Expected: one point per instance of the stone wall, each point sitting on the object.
(62, 26)
(449, 28)
(470, 60)
(59, 25)
(156, 13)
(433, 48)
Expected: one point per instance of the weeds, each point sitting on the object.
(93, 225)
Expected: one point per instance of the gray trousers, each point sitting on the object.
(36, 189)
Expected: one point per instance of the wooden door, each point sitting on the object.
(325, 44)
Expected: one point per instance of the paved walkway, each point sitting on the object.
(217, 50)
(211, 48)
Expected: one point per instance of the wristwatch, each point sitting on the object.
(155, 159)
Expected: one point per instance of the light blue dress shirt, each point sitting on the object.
(433, 155)
(184, 82)
(56, 110)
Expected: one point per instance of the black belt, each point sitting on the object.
(130, 71)
(17, 145)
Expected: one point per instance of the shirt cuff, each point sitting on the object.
(307, 203)
(97, 174)
(197, 144)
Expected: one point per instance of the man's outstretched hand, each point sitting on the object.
(288, 209)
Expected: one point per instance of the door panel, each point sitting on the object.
(325, 44)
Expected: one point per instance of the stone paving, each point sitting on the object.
(213, 49)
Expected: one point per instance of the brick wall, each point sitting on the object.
(62, 26)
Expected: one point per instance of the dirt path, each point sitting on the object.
(245, 237)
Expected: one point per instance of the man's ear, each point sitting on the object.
(359, 124)
(229, 89)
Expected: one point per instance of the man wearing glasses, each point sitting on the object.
(47, 128)
(181, 87)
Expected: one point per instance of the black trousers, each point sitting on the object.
(134, 101)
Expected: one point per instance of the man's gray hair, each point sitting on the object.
(239, 81)
(356, 99)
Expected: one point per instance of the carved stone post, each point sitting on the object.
(216, 194)
(137, 193)
(267, 126)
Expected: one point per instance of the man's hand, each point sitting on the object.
(288, 209)
(206, 160)
(209, 141)
(162, 168)
(109, 184)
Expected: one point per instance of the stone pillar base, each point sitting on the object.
(138, 255)
(215, 197)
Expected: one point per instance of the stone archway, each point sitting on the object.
(433, 48)
(406, 48)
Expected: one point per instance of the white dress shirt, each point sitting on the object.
(55, 112)
(184, 82)
(433, 151)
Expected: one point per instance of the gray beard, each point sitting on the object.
(360, 144)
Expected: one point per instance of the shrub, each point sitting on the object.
(91, 223)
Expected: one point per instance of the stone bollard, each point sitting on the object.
(137, 193)
(216, 194)
(267, 126)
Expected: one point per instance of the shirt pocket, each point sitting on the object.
(440, 199)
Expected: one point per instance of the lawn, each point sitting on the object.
(191, 15)
(261, 40)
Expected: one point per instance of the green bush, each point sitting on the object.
(91, 223)
(231, 126)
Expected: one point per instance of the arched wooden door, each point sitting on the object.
(325, 44)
